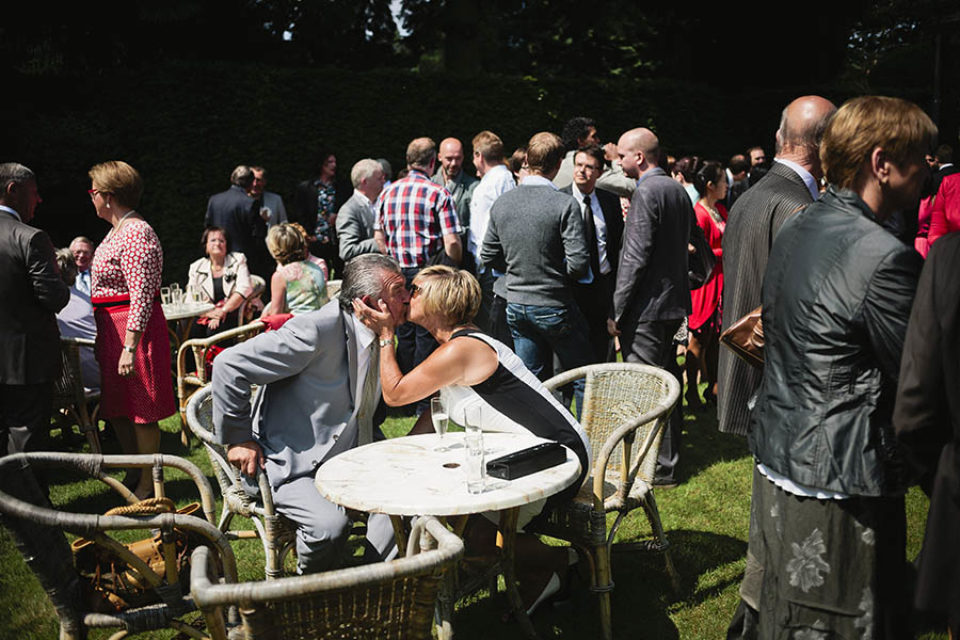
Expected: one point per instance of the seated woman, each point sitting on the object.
(298, 285)
(222, 279)
(473, 368)
(76, 320)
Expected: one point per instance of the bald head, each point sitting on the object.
(801, 129)
(639, 150)
(451, 157)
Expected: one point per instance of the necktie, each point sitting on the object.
(591, 233)
(368, 399)
(83, 282)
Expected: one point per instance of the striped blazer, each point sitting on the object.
(753, 222)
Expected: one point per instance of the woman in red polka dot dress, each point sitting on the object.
(133, 348)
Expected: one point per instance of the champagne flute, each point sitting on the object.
(440, 418)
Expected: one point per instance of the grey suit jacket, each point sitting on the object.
(32, 293)
(652, 280)
(304, 414)
(355, 228)
(462, 193)
(752, 225)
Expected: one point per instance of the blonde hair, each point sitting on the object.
(120, 179)
(862, 124)
(489, 146)
(451, 293)
(544, 152)
(286, 243)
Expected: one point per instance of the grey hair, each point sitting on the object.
(67, 265)
(15, 173)
(363, 170)
(81, 239)
(242, 176)
(363, 276)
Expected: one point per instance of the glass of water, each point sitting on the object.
(165, 297)
(438, 413)
(473, 439)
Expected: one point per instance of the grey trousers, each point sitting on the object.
(323, 527)
(652, 343)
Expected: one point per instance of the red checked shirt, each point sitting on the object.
(414, 214)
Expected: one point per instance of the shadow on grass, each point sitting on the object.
(703, 444)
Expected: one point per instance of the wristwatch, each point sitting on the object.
(385, 341)
(129, 349)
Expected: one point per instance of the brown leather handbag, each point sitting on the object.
(745, 338)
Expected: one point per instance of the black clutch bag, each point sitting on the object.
(526, 461)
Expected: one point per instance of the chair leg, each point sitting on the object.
(663, 545)
(603, 587)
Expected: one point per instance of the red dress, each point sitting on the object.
(706, 300)
(126, 276)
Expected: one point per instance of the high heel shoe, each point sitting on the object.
(549, 593)
(557, 589)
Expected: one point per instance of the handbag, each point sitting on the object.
(701, 262)
(109, 584)
(745, 338)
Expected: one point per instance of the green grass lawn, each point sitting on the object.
(706, 519)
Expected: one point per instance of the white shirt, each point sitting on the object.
(494, 183)
(83, 281)
(533, 180)
(805, 175)
(599, 225)
(365, 338)
(796, 489)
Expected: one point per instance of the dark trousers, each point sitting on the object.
(24, 413)
(414, 343)
(594, 301)
(652, 343)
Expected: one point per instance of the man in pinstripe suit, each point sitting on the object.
(791, 183)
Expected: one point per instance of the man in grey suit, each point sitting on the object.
(355, 218)
(652, 296)
(32, 293)
(272, 211)
(454, 179)
(320, 386)
(791, 183)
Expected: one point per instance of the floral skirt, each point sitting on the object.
(819, 569)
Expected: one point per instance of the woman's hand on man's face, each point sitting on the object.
(378, 318)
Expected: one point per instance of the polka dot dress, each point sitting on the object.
(129, 262)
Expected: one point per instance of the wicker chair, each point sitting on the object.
(246, 310)
(192, 376)
(388, 600)
(625, 407)
(70, 399)
(276, 533)
(39, 534)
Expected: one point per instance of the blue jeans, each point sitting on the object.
(537, 330)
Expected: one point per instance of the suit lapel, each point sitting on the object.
(351, 354)
(205, 279)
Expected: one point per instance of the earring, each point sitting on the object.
(108, 205)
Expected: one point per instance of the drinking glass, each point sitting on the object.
(473, 439)
(165, 297)
(438, 413)
(176, 294)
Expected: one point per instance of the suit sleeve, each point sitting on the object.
(48, 288)
(281, 211)
(268, 358)
(350, 233)
(921, 417)
(574, 241)
(638, 234)
(208, 219)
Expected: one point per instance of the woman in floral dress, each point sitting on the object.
(298, 285)
(133, 348)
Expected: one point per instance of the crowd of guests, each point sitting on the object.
(564, 254)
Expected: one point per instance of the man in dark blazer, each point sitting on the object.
(603, 232)
(32, 294)
(239, 214)
(791, 183)
(652, 295)
(355, 218)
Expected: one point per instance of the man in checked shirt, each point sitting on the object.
(417, 225)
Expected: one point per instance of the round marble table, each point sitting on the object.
(407, 476)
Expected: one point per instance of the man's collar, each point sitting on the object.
(805, 175)
(12, 212)
(418, 170)
(364, 334)
(655, 171)
(534, 180)
(579, 195)
(363, 197)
